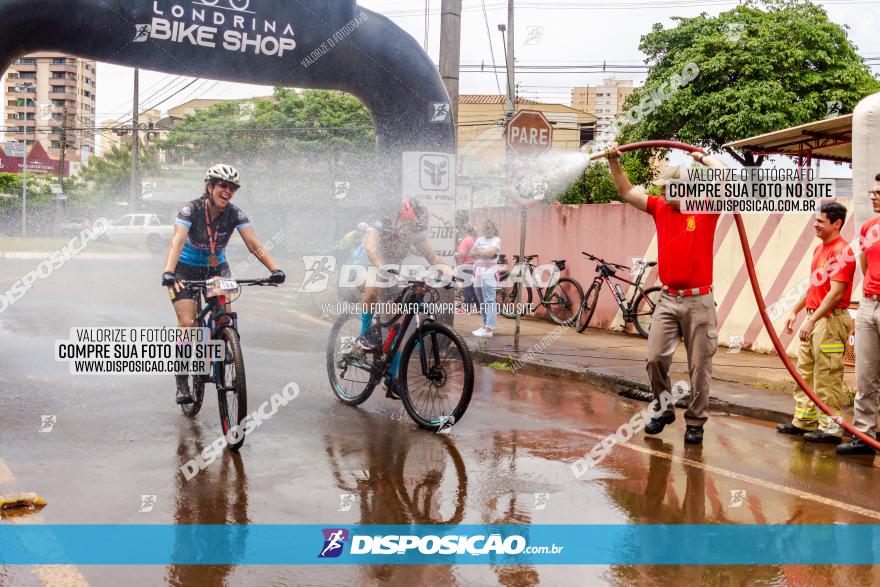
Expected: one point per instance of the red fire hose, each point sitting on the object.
(756, 287)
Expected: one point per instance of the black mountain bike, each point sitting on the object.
(226, 375)
(562, 299)
(436, 374)
(638, 309)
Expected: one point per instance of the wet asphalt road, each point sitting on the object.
(118, 438)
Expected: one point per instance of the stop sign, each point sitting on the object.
(529, 133)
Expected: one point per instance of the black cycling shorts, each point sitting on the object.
(191, 273)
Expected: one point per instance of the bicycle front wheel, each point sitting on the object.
(349, 367)
(589, 305)
(645, 306)
(231, 388)
(437, 377)
(564, 301)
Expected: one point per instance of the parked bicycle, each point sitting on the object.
(562, 299)
(638, 309)
(436, 373)
(227, 375)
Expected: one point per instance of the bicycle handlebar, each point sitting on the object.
(262, 282)
(603, 261)
(411, 281)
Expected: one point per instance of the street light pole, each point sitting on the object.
(25, 88)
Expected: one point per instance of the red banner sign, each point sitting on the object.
(38, 162)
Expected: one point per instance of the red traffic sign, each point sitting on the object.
(529, 133)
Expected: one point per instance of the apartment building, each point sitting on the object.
(605, 102)
(45, 93)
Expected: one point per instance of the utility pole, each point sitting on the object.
(450, 51)
(135, 181)
(510, 64)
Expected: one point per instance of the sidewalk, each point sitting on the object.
(749, 384)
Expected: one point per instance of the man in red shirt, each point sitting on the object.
(868, 335)
(825, 331)
(685, 250)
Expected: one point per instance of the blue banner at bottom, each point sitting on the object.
(24, 544)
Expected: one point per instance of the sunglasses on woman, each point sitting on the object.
(225, 185)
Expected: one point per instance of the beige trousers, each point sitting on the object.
(693, 319)
(867, 367)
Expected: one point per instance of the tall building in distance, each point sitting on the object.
(605, 102)
(50, 98)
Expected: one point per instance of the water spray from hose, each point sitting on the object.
(756, 288)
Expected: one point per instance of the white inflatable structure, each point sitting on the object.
(865, 155)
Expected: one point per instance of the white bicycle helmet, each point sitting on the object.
(223, 172)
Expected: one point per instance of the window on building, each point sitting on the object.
(56, 144)
(59, 60)
(58, 89)
(588, 133)
(26, 62)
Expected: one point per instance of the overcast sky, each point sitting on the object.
(563, 32)
(573, 32)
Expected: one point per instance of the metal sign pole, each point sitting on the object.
(522, 264)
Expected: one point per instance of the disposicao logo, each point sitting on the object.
(334, 540)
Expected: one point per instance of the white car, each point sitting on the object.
(141, 230)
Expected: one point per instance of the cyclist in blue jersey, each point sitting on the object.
(198, 248)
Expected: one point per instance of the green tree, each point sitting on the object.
(763, 66)
(39, 190)
(109, 177)
(289, 122)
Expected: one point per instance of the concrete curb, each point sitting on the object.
(626, 387)
(35, 256)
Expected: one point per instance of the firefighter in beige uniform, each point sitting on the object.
(825, 331)
(867, 335)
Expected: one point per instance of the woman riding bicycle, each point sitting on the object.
(198, 249)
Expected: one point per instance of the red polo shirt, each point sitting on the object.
(870, 243)
(685, 245)
(831, 262)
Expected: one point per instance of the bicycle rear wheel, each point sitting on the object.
(436, 392)
(645, 306)
(564, 301)
(350, 368)
(231, 388)
(506, 297)
(589, 305)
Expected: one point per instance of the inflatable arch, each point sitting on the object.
(321, 44)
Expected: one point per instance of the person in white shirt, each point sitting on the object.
(485, 255)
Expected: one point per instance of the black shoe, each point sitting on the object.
(822, 437)
(184, 396)
(392, 389)
(368, 342)
(693, 435)
(856, 446)
(790, 429)
(656, 425)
